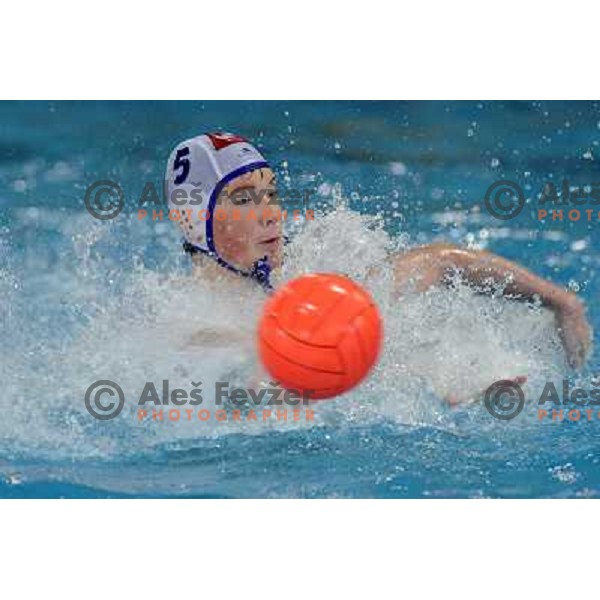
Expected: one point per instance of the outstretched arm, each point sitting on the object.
(431, 265)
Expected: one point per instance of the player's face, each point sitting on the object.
(247, 224)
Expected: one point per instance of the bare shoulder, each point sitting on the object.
(437, 251)
(422, 266)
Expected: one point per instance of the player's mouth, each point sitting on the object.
(270, 243)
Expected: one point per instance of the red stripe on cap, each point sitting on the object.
(222, 140)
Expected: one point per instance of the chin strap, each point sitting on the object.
(260, 271)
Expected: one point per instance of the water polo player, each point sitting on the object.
(224, 173)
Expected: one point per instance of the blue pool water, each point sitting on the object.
(84, 300)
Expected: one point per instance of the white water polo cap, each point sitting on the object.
(197, 171)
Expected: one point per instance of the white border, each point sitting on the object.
(299, 549)
(186, 49)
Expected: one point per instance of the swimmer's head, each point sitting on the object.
(225, 193)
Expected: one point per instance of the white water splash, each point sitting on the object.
(135, 325)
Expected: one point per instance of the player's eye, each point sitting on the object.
(241, 198)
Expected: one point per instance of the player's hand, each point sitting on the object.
(575, 332)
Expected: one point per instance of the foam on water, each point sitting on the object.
(94, 315)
